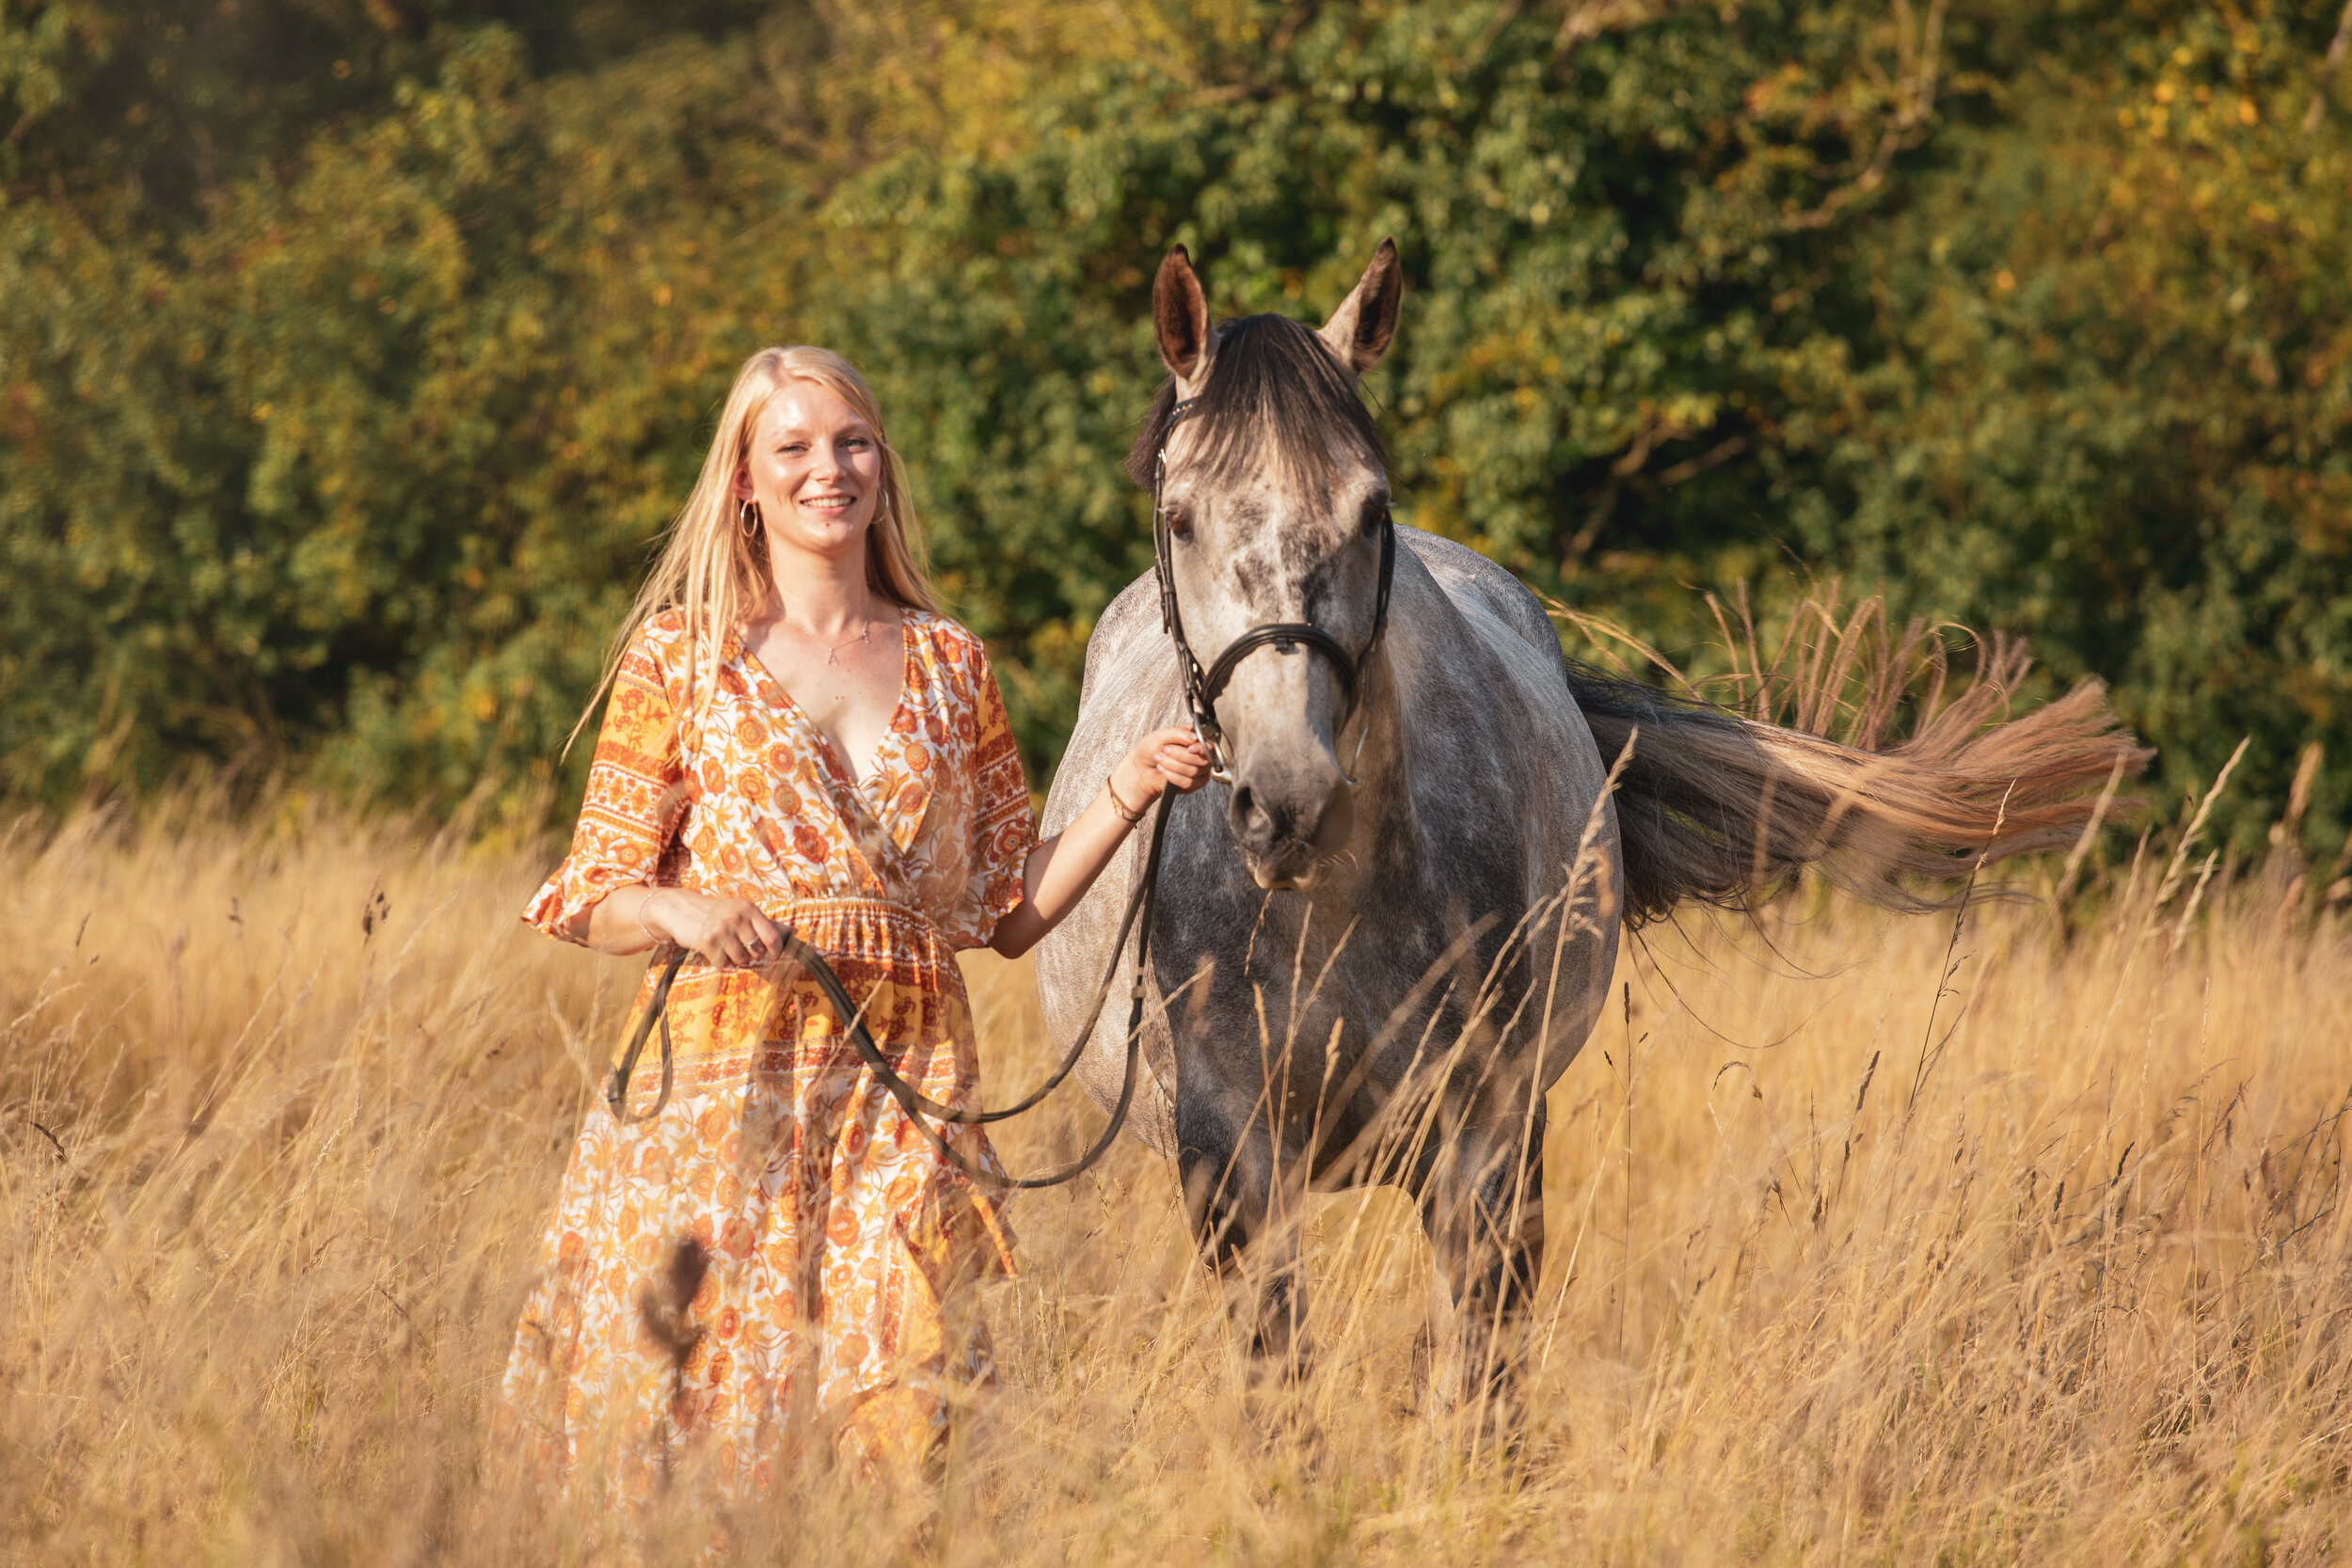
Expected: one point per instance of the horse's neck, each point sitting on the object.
(1399, 775)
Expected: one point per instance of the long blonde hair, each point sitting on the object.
(716, 572)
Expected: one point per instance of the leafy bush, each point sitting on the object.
(350, 366)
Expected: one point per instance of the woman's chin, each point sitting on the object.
(829, 537)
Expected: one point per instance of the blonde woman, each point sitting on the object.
(796, 740)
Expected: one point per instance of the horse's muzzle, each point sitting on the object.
(1289, 821)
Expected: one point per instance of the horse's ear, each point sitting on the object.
(1359, 331)
(1180, 316)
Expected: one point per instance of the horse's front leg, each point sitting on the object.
(1241, 1197)
(1483, 1206)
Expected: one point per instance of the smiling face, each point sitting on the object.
(815, 470)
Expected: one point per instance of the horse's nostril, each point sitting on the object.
(1251, 822)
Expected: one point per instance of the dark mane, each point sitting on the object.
(1274, 392)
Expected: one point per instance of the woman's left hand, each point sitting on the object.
(1163, 758)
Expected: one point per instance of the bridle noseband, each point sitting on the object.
(1202, 687)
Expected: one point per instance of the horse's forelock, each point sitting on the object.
(1275, 394)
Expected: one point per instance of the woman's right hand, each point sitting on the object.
(723, 931)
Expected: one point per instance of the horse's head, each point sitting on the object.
(1276, 496)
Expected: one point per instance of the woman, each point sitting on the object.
(796, 740)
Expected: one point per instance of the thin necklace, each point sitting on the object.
(832, 653)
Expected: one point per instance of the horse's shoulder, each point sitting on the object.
(1477, 585)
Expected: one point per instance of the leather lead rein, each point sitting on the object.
(916, 1105)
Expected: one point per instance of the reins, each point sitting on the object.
(1201, 689)
(911, 1101)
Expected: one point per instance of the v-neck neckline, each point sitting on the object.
(834, 755)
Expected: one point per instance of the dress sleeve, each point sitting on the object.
(637, 796)
(1003, 825)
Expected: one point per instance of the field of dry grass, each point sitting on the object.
(2060, 1277)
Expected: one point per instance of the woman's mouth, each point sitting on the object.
(828, 504)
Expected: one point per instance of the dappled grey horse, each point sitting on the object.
(1392, 924)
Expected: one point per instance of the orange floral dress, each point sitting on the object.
(827, 1232)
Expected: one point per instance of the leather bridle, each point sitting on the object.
(1202, 687)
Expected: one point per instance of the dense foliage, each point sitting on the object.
(354, 354)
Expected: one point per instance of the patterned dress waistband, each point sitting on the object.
(864, 929)
(851, 905)
(821, 915)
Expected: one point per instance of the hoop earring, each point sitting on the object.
(748, 512)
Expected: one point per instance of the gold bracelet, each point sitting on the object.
(641, 918)
(1119, 807)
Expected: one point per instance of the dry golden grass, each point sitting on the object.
(286, 1103)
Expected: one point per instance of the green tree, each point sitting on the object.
(1933, 298)
(351, 359)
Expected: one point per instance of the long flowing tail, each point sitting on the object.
(1721, 806)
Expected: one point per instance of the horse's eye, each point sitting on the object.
(1179, 520)
(1375, 513)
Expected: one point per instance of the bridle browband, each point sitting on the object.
(1203, 686)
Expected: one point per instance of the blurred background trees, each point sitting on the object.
(352, 355)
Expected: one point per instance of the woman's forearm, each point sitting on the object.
(723, 931)
(617, 924)
(1059, 871)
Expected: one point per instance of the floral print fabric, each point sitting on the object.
(829, 1232)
